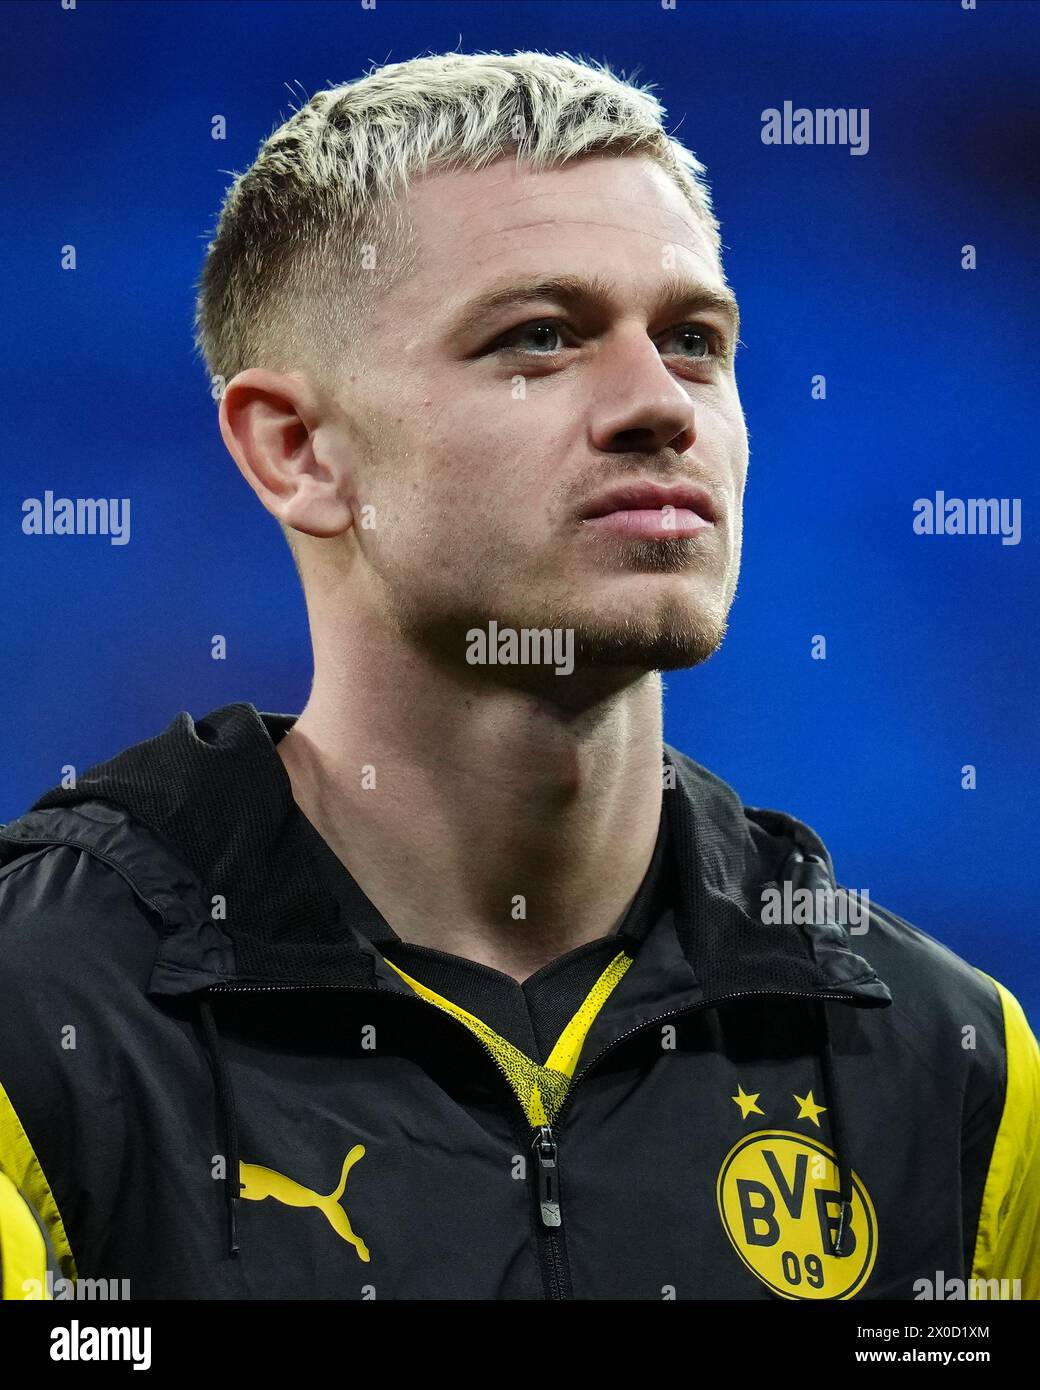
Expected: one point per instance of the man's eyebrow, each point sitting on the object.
(677, 293)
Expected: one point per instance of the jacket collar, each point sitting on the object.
(227, 867)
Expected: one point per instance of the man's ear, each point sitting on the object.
(268, 421)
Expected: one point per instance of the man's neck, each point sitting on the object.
(493, 827)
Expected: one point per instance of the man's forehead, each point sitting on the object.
(615, 217)
(463, 209)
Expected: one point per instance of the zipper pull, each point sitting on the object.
(548, 1176)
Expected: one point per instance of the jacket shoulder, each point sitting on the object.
(946, 1015)
(925, 973)
(60, 907)
(67, 871)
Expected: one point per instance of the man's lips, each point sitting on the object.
(647, 510)
(646, 523)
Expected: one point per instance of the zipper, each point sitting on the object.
(548, 1188)
(545, 1147)
(545, 1140)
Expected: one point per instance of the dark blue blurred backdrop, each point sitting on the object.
(845, 265)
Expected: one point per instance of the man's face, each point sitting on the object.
(481, 447)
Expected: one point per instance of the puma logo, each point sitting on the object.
(258, 1183)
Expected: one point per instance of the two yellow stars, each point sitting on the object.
(807, 1107)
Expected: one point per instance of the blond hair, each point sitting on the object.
(313, 231)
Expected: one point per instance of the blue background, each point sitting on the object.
(844, 265)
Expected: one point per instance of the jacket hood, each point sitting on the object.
(213, 797)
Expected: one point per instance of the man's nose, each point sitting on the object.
(642, 408)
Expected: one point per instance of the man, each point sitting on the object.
(462, 984)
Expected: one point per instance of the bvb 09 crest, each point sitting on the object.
(777, 1194)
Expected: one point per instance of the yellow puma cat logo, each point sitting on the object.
(258, 1183)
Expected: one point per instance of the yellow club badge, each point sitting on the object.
(777, 1195)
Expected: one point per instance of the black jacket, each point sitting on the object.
(214, 1086)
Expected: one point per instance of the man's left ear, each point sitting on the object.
(269, 422)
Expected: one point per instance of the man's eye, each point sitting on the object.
(712, 343)
(507, 342)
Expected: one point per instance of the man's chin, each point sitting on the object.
(671, 648)
(568, 638)
(671, 638)
(658, 632)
